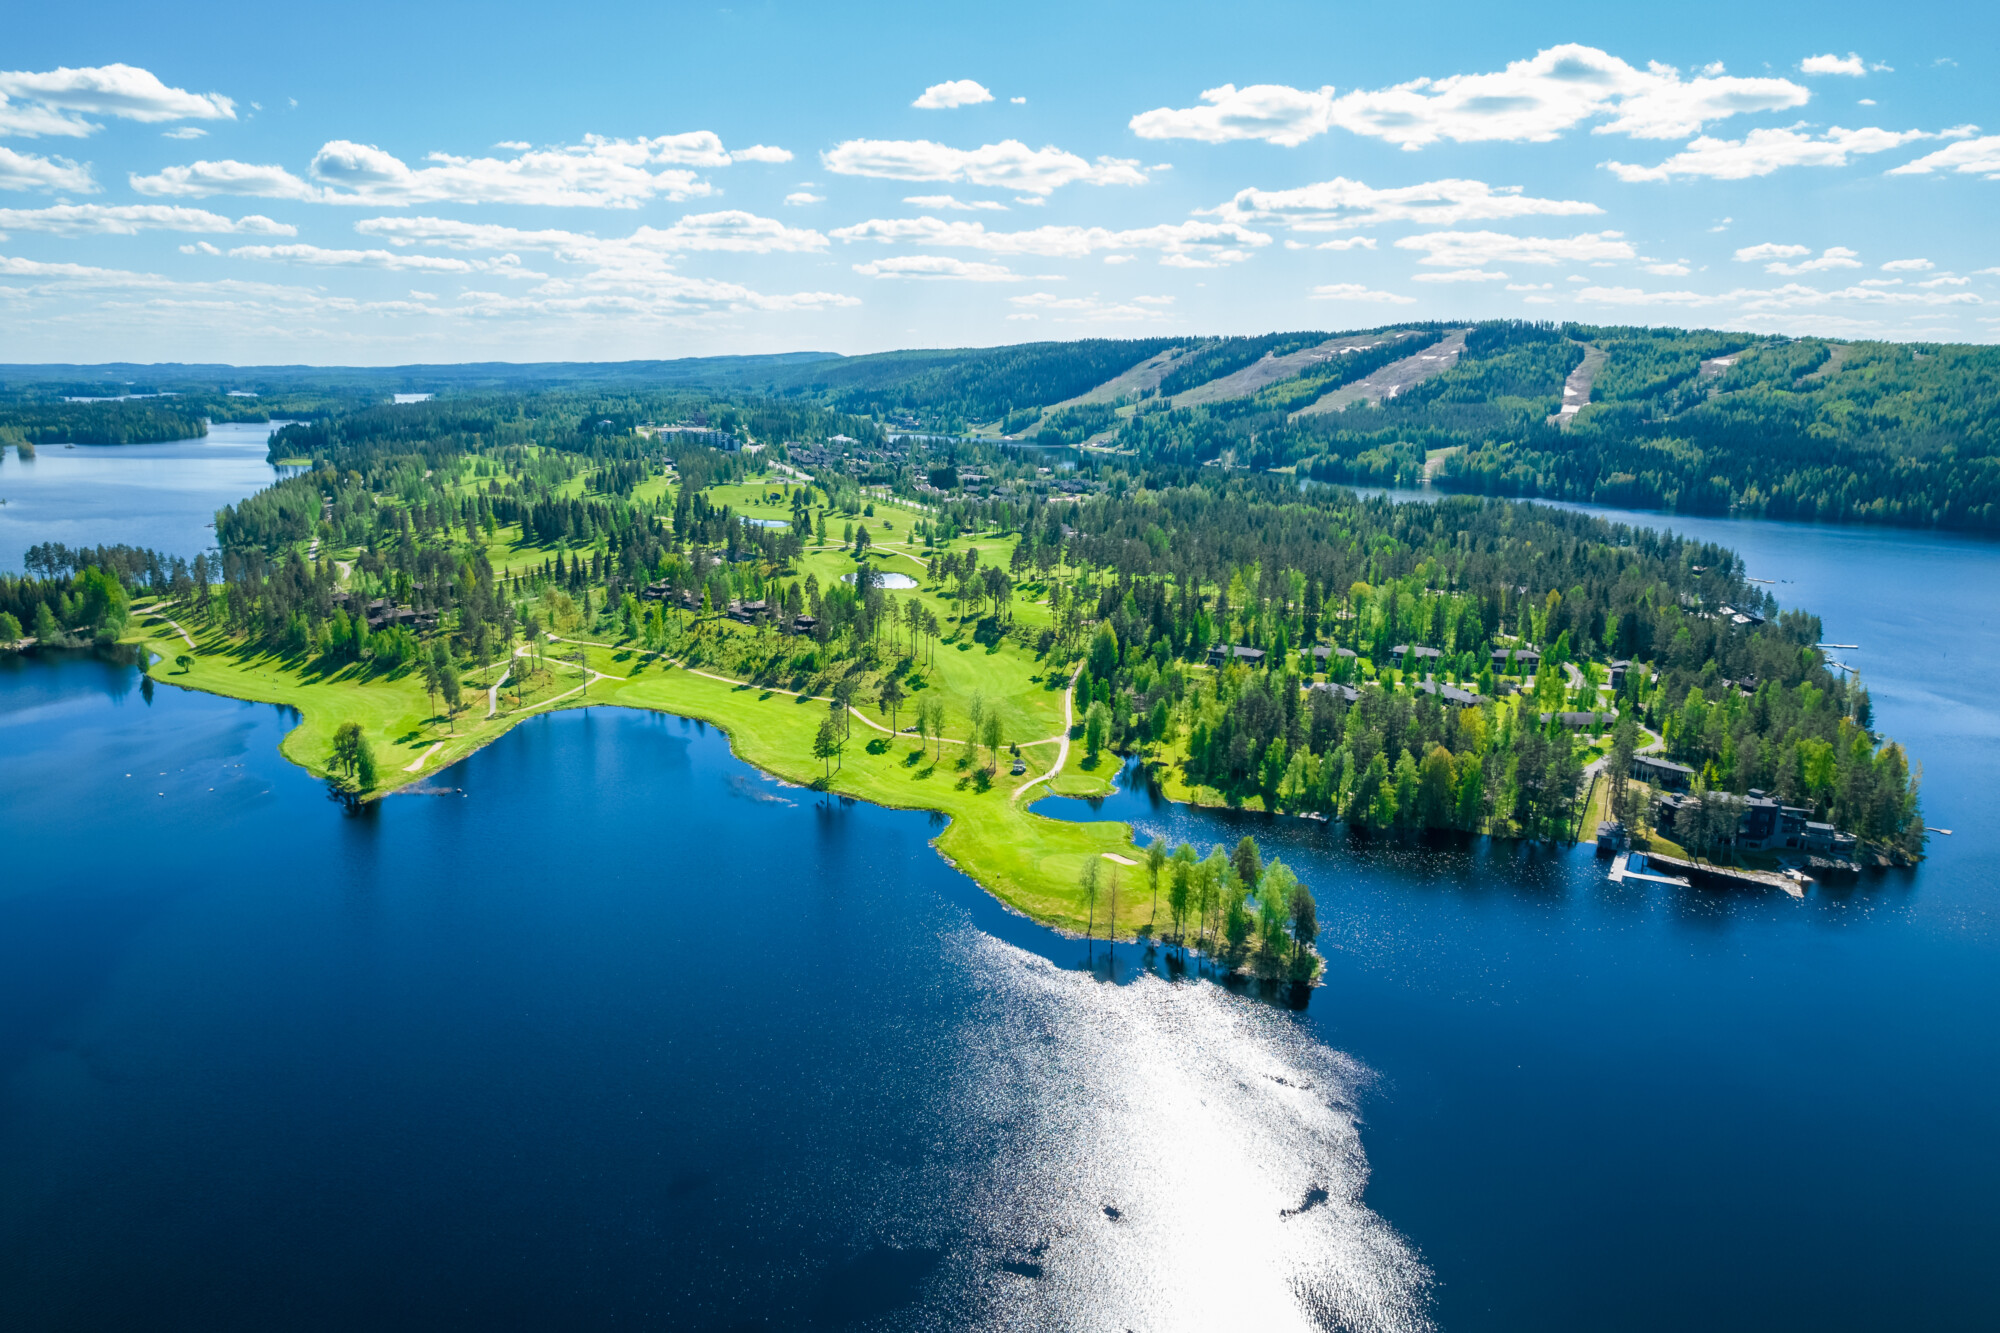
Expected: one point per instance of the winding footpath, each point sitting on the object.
(1062, 753)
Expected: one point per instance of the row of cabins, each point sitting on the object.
(1522, 661)
(382, 613)
(743, 612)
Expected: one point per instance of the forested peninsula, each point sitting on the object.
(960, 624)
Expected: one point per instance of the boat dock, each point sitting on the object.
(1709, 876)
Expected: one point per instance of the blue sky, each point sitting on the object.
(374, 184)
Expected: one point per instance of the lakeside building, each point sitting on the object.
(1655, 771)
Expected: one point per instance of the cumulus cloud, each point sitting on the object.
(1777, 258)
(1463, 275)
(1968, 157)
(800, 198)
(936, 266)
(130, 219)
(1340, 203)
(1009, 164)
(1348, 243)
(760, 152)
(200, 248)
(1533, 100)
(1849, 64)
(957, 92)
(1477, 249)
(1354, 291)
(1088, 309)
(595, 173)
(57, 101)
(31, 171)
(730, 230)
(1906, 266)
(1761, 152)
(949, 203)
(1667, 269)
(1219, 241)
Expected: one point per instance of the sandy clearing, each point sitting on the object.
(1394, 378)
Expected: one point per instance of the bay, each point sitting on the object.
(162, 496)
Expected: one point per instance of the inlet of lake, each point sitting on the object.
(603, 1027)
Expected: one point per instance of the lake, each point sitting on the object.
(605, 1026)
(162, 496)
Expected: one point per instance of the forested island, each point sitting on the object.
(957, 623)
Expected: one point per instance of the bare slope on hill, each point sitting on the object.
(1576, 389)
(1146, 375)
(1271, 369)
(1395, 378)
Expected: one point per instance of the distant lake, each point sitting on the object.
(159, 495)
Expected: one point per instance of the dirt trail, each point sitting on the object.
(1062, 753)
(1394, 378)
(1576, 389)
(1271, 369)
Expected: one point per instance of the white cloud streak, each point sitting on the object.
(948, 203)
(1477, 249)
(595, 173)
(1849, 64)
(1223, 241)
(1533, 100)
(130, 219)
(1968, 157)
(1354, 291)
(1009, 164)
(937, 267)
(1761, 152)
(1340, 204)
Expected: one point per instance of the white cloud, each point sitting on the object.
(416, 295)
(31, 171)
(55, 102)
(1064, 242)
(1529, 286)
(1354, 291)
(1754, 254)
(1340, 203)
(957, 92)
(1775, 258)
(1009, 164)
(951, 204)
(733, 230)
(1944, 280)
(936, 266)
(1761, 152)
(1665, 269)
(1967, 157)
(1018, 101)
(1463, 275)
(1532, 100)
(1268, 111)
(760, 152)
(1791, 296)
(800, 198)
(319, 257)
(200, 248)
(1119, 259)
(185, 132)
(1476, 249)
(1866, 101)
(130, 219)
(1348, 243)
(730, 230)
(596, 173)
(1088, 309)
(1906, 266)
(1849, 64)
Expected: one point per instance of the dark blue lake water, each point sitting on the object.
(609, 1028)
